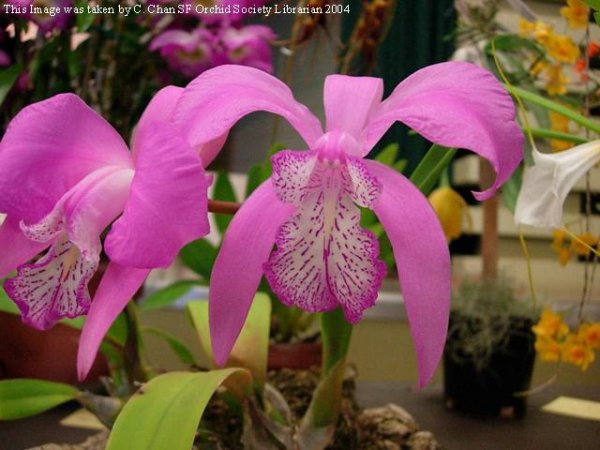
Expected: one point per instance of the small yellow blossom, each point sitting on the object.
(579, 245)
(548, 349)
(558, 239)
(556, 81)
(526, 28)
(450, 208)
(576, 12)
(562, 48)
(577, 352)
(590, 334)
(540, 31)
(558, 122)
(550, 326)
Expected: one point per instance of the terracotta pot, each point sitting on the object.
(48, 355)
(300, 355)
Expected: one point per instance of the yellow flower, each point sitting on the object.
(577, 352)
(526, 28)
(548, 349)
(450, 208)
(558, 239)
(558, 122)
(579, 247)
(562, 48)
(550, 326)
(590, 334)
(576, 12)
(556, 81)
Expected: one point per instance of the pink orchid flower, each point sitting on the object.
(324, 259)
(66, 176)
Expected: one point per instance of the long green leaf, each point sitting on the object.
(8, 77)
(167, 295)
(429, 170)
(551, 105)
(27, 397)
(552, 134)
(164, 414)
(388, 154)
(178, 347)
(6, 304)
(199, 256)
(252, 346)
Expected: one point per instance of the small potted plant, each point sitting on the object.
(489, 353)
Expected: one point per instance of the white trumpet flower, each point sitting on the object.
(547, 184)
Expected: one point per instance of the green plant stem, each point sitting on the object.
(545, 133)
(538, 100)
(429, 170)
(335, 334)
(134, 364)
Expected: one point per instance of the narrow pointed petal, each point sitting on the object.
(238, 269)
(423, 263)
(167, 205)
(52, 145)
(349, 102)
(16, 248)
(119, 284)
(217, 99)
(547, 184)
(160, 109)
(456, 104)
(54, 287)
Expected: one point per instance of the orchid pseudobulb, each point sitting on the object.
(65, 176)
(309, 208)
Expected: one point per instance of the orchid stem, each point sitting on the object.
(551, 134)
(135, 366)
(335, 333)
(222, 207)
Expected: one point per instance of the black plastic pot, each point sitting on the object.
(489, 387)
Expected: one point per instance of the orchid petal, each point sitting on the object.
(547, 184)
(167, 206)
(119, 284)
(49, 147)
(323, 257)
(160, 109)
(350, 101)
(423, 263)
(460, 105)
(16, 248)
(238, 268)
(54, 287)
(219, 97)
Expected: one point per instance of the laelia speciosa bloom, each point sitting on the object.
(547, 184)
(65, 177)
(309, 208)
(187, 52)
(249, 46)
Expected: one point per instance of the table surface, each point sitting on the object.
(538, 430)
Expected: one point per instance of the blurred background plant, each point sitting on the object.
(116, 62)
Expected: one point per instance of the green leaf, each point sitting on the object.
(223, 190)
(178, 347)
(27, 397)
(84, 20)
(597, 18)
(593, 3)
(401, 165)
(256, 176)
(512, 42)
(165, 412)
(8, 77)
(429, 170)
(510, 189)
(6, 304)
(335, 334)
(276, 148)
(388, 154)
(551, 105)
(167, 295)
(252, 346)
(319, 422)
(199, 256)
